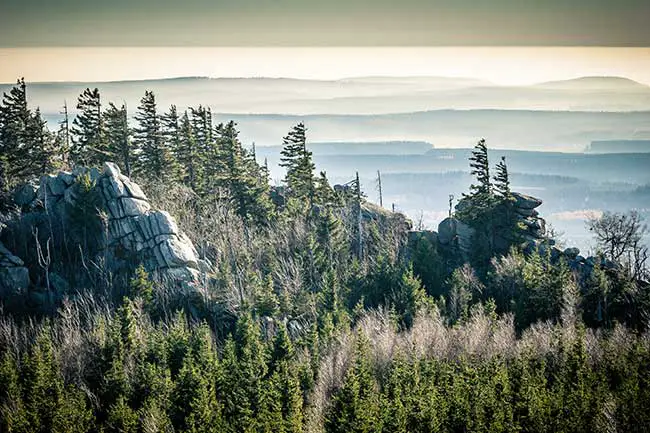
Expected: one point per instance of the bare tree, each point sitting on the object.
(620, 238)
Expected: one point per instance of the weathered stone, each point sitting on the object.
(133, 189)
(8, 257)
(465, 234)
(70, 195)
(134, 230)
(66, 177)
(526, 212)
(115, 188)
(56, 185)
(204, 265)
(447, 230)
(111, 170)
(523, 201)
(25, 195)
(177, 253)
(571, 253)
(163, 222)
(134, 207)
(14, 280)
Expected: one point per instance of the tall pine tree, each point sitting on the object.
(502, 179)
(118, 135)
(89, 146)
(26, 145)
(154, 158)
(297, 160)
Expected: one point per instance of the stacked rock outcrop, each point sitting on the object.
(133, 232)
(452, 231)
(525, 209)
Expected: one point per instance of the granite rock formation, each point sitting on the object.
(133, 232)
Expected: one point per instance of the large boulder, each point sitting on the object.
(14, 276)
(523, 201)
(25, 194)
(447, 230)
(451, 229)
(134, 231)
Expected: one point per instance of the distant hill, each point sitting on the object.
(619, 146)
(362, 95)
(594, 83)
(511, 129)
(371, 148)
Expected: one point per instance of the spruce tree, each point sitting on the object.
(242, 177)
(480, 166)
(89, 146)
(188, 154)
(356, 406)
(63, 136)
(26, 146)
(297, 160)
(502, 180)
(154, 158)
(118, 136)
(324, 192)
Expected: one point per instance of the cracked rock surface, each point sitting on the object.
(134, 231)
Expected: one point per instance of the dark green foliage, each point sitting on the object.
(480, 166)
(118, 135)
(89, 145)
(141, 285)
(427, 263)
(356, 407)
(26, 145)
(155, 159)
(242, 177)
(187, 152)
(502, 179)
(85, 217)
(297, 160)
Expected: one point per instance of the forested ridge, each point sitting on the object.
(316, 311)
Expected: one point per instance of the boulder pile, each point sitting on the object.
(133, 232)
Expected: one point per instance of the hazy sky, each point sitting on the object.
(501, 65)
(324, 22)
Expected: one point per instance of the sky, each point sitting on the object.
(324, 23)
(494, 40)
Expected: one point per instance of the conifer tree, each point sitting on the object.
(13, 413)
(118, 137)
(356, 407)
(242, 177)
(89, 146)
(502, 179)
(297, 160)
(195, 400)
(41, 144)
(154, 158)
(63, 136)
(171, 129)
(324, 192)
(188, 154)
(201, 118)
(26, 146)
(480, 165)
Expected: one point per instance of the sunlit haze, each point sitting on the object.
(500, 65)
